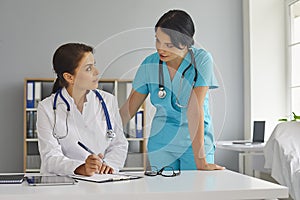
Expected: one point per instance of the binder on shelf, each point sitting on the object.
(37, 93)
(33, 162)
(139, 124)
(131, 128)
(34, 125)
(30, 94)
(30, 124)
(46, 89)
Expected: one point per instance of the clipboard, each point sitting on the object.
(104, 178)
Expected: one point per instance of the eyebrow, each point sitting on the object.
(87, 65)
(168, 43)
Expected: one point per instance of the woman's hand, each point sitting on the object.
(104, 169)
(94, 165)
(203, 165)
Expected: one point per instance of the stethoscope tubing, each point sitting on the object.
(162, 91)
(109, 133)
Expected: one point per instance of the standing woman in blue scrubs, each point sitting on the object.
(177, 77)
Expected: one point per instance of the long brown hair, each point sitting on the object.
(66, 59)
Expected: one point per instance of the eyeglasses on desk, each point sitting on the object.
(166, 171)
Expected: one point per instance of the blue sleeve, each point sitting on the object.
(139, 83)
(205, 68)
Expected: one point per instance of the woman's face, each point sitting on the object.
(86, 74)
(166, 50)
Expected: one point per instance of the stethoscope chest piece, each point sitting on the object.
(161, 93)
(110, 134)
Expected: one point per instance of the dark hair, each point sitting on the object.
(66, 59)
(179, 26)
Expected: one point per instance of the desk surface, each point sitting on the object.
(217, 185)
(240, 147)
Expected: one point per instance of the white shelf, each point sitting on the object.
(135, 139)
(31, 109)
(31, 139)
(32, 170)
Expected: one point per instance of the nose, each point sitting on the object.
(96, 71)
(159, 46)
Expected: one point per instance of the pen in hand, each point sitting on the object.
(88, 150)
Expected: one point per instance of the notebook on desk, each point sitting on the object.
(258, 134)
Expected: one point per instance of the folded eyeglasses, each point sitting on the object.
(166, 171)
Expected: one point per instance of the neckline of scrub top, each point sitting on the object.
(183, 65)
(174, 84)
(176, 79)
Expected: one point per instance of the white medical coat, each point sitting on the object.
(88, 127)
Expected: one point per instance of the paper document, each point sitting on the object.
(102, 178)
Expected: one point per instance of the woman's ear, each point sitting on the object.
(69, 78)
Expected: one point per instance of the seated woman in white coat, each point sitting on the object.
(76, 112)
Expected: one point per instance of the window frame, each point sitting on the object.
(289, 45)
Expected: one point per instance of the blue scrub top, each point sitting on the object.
(169, 129)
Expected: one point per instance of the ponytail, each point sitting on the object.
(56, 86)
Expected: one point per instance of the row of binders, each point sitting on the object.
(37, 91)
(34, 94)
(134, 128)
(31, 124)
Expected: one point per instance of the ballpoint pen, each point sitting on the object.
(88, 150)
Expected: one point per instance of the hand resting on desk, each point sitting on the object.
(203, 165)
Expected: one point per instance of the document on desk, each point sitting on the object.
(102, 178)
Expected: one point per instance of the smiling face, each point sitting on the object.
(166, 50)
(86, 74)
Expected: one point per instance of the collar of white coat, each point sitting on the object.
(70, 99)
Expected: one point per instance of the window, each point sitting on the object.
(293, 56)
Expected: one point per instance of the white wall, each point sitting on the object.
(31, 30)
(264, 57)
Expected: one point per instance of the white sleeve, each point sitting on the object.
(52, 158)
(116, 152)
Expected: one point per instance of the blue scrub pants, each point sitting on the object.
(183, 161)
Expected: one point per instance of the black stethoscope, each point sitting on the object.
(110, 134)
(162, 92)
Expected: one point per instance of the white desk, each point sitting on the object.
(245, 150)
(193, 185)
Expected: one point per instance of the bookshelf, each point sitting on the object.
(36, 89)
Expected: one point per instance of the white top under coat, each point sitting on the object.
(88, 127)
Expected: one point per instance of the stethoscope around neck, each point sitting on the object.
(110, 134)
(162, 92)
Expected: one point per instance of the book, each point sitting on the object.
(11, 178)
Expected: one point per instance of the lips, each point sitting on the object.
(162, 56)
